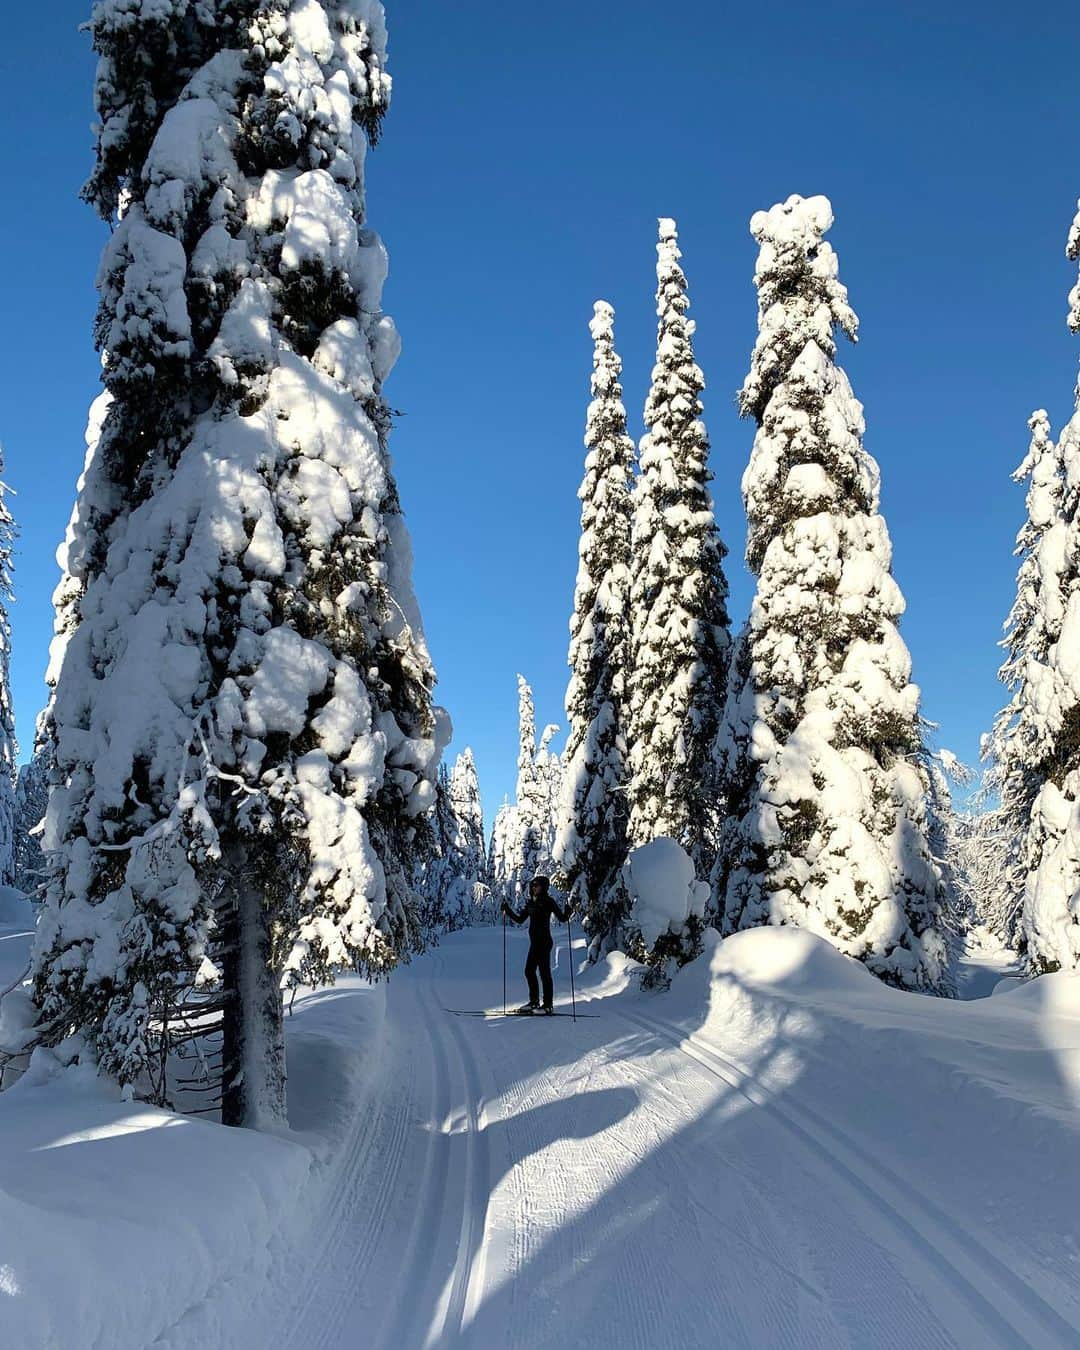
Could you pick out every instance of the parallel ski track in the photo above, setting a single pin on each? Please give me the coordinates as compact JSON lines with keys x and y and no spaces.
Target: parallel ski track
{"x":999,"y":1298}
{"x":467,"y":1285}
{"x":337,"y":1265}
{"x":454,"y":1299}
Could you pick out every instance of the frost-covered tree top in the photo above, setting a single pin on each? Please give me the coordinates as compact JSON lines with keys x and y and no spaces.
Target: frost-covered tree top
{"x":800,"y":298}
{"x":821,"y":754}
{"x":242,"y":668}
{"x":590,"y":840}
{"x":1072,"y":252}
{"x":678,"y":593}
{"x":149,"y":51}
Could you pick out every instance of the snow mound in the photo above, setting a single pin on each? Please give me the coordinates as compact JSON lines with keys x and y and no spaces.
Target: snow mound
{"x":15,"y":909}
{"x":1056,"y":995}
{"x":664,"y":889}
{"x":790,"y":959}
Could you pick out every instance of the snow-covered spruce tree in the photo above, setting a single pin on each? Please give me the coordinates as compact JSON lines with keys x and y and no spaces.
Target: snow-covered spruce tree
{"x":435,"y":875}
{"x":242,"y":728}
{"x":823,"y":766}
{"x":1018,"y":745}
{"x":454,"y":883}
{"x":590,"y":840}
{"x":1047,"y":727}
{"x":31,"y":801}
{"x":470,"y":853}
{"x":523,"y":835}
{"x":539,"y":775}
{"x":504,"y":853}
{"x":679,"y":631}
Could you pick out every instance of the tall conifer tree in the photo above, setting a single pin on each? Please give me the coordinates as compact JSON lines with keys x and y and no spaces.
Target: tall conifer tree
{"x":1018,"y":745}
{"x":242,"y":733}
{"x":823,"y":767}
{"x":680,"y":640}
{"x":1047,"y":704}
{"x":590,"y":840}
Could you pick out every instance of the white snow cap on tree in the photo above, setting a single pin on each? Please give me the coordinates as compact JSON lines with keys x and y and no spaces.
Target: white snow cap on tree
{"x":590,"y":837}
{"x":791,"y":238}
{"x":246,"y":697}
{"x":680,"y":640}
{"x":821,"y":751}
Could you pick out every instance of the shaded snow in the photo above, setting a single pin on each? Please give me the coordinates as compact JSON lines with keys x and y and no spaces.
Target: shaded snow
{"x":778,"y":1151}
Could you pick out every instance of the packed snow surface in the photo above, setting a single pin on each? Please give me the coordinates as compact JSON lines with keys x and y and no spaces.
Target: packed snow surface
{"x":779,"y":1151}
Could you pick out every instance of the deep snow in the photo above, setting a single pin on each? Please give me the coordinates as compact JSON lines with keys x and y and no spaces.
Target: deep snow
{"x":779,"y":1151}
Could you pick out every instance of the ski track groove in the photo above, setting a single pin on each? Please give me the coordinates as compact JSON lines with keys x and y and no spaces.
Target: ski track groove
{"x":984,"y":1301}
{"x":422,"y":1244}
{"x":467,"y":1284}
{"x":336,"y":1263}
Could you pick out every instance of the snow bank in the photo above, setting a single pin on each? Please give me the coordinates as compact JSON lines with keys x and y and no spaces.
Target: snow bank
{"x":659,"y":877}
{"x":122,"y":1224}
{"x":788,"y":959}
{"x":1056,"y":995}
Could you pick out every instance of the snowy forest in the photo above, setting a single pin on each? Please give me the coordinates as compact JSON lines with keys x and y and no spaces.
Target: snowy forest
{"x":261,"y":931}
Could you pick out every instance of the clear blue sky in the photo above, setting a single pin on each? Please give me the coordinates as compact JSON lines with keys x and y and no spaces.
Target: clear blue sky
{"x":527,"y":156}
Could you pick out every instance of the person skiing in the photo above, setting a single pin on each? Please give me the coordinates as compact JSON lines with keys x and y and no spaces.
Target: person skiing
{"x":539,"y":908}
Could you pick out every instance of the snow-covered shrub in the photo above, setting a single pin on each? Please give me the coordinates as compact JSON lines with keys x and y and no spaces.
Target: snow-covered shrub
{"x":590,"y":837}
{"x":821,"y":753}
{"x":242,"y":736}
{"x":666,"y":905}
{"x":680,"y":640}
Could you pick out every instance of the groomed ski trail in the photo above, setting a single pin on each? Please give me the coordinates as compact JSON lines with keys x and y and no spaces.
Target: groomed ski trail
{"x":1011,"y":1312}
{"x":627,"y":1181}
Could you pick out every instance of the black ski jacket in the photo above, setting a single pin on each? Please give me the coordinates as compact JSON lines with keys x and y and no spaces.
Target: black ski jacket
{"x":538,"y":913}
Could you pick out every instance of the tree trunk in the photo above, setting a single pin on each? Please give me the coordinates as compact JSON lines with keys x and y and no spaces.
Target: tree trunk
{"x":253,"y":1049}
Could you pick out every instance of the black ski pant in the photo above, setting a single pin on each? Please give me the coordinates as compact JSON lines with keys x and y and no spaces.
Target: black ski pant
{"x":539,"y":959}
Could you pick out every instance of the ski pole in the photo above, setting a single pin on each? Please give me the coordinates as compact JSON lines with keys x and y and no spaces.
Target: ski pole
{"x":504,"y":964}
{"x":570,"y":943}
